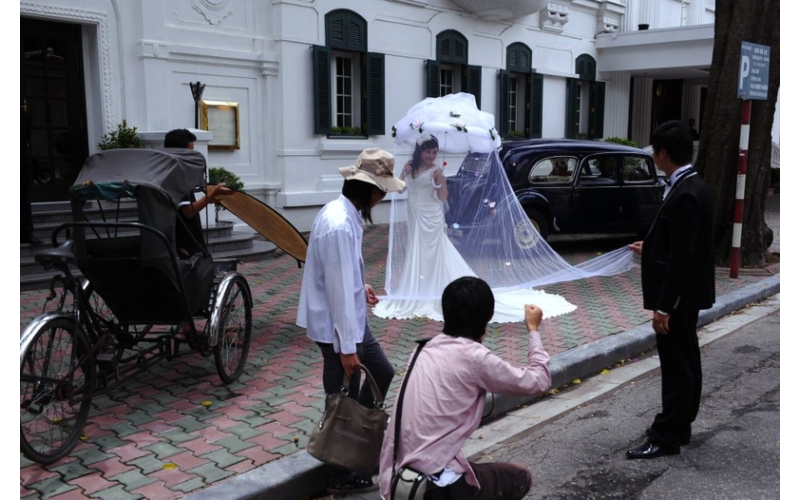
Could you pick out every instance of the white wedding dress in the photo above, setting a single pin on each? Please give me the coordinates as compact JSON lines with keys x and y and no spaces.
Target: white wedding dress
{"x":432,"y":262}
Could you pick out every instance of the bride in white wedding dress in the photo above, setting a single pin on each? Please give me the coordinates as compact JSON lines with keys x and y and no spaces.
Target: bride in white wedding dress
{"x":432,"y":261}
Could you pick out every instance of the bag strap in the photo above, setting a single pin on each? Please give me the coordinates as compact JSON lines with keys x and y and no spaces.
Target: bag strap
{"x":376,"y":392}
{"x":399,"y":413}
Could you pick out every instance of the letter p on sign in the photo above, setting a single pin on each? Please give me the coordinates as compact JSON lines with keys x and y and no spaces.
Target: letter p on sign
{"x":744,"y":70}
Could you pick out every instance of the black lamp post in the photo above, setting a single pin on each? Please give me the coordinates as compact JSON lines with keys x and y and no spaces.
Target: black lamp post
{"x":197,"y":94}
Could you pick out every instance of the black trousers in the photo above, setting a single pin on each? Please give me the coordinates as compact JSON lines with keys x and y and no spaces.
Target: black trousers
{"x":681,"y":380}
{"x":371,"y":355}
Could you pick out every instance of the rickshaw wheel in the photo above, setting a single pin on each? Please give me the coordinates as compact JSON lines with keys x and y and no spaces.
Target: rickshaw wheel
{"x":234,"y":331}
{"x":57,"y":380}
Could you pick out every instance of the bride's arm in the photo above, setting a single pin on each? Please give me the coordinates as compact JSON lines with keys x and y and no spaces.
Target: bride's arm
{"x":440,"y":184}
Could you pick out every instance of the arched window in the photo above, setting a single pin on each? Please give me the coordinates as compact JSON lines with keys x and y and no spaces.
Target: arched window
{"x":450,"y":73}
{"x":348,"y":81}
{"x":520,"y":95}
{"x":585,"y":121}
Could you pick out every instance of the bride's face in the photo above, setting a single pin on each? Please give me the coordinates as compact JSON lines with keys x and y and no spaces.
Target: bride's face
{"x":429,"y":155}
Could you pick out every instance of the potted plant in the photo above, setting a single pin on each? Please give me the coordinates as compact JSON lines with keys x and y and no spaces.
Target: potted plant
{"x":217,"y":175}
{"x":621,"y":140}
{"x":122,"y":137}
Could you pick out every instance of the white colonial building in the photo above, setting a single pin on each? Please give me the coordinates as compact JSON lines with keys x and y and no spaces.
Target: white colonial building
{"x":295,"y":88}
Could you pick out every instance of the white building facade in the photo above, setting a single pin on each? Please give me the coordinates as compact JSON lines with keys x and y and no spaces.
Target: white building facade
{"x":296,"y":88}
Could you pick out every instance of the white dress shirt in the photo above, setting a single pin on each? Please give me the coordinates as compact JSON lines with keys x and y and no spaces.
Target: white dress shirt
{"x":677,"y":174}
{"x":333,"y":301}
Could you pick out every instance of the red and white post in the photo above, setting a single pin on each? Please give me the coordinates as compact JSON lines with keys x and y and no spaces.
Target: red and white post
{"x":738,"y":208}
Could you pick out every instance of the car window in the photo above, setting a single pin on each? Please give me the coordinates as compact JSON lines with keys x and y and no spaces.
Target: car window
{"x":553,"y":169}
{"x":599,"y":170}
{"x":635,"y":169}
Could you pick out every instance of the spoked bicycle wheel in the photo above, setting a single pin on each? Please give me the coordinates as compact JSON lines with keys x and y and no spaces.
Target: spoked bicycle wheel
{"x":56,"y":382}
{"x":234,"y":323}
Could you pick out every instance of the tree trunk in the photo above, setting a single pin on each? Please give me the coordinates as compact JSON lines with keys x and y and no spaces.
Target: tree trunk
{"x":755,"y":21}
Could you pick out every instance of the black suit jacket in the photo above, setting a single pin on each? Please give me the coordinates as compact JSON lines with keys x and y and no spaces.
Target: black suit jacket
{"x":677,"y":253}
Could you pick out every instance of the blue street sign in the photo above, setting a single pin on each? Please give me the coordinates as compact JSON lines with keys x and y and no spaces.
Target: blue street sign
{"x":753,"y":72}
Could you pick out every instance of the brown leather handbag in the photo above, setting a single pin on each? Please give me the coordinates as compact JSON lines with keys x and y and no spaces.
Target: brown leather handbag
{"x":349,"y":435}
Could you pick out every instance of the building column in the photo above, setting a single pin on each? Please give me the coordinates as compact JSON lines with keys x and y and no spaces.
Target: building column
{"x":642,"y":111}
{"x":697,"y":11}
{"x":615,"y":122}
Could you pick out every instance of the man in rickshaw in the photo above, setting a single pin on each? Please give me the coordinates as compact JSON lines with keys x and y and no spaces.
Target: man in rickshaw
{"x":189,"y":233}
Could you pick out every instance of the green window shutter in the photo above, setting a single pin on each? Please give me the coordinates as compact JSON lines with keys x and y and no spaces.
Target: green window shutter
{"x":375,"y":96}
{"x":322,"y":89}
{"x":573,"y":111}
{"x":586,"y":67}
{"x":452,"y":47}
{"x":473,"y":85}
{"x":432,"y":78}
{"x":535,"y":102}
{"x":345,"y":30}
{"x":518,"y":58}
{"x":502,"y":108}
{"x":597,"y":109}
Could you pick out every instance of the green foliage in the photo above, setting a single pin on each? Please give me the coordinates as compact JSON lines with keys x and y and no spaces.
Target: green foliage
{"x":346,"y":131}
{"x":217,"y":175}
{"x":621,"y":140}
{"x":516,"y":134}
{"x":123,"y":137}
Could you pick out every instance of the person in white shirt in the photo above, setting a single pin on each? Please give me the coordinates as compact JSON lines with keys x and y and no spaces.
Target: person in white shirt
{"x":334,"y":297}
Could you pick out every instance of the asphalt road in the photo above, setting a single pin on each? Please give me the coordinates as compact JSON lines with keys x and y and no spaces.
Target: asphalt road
{"x":735,"y":449}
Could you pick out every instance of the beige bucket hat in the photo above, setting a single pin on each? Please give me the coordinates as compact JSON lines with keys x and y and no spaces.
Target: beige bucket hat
{"x":374,"y":166}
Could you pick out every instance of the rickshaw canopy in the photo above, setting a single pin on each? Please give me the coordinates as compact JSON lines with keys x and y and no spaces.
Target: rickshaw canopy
{"x":117,"y":173}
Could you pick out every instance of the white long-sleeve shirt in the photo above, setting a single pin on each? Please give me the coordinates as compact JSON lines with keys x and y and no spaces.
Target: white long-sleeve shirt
{"x":333,"y":305}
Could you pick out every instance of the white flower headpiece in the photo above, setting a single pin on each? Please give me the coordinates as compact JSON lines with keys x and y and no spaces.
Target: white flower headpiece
{"x":422,"y":139}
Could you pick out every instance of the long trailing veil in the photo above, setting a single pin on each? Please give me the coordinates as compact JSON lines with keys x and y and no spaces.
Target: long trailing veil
{"x":484,"y":230}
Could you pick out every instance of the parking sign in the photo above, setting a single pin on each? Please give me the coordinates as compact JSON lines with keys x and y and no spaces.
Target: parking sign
{"x":753,"y":72}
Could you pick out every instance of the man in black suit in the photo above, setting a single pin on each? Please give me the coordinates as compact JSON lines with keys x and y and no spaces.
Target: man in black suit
{"x":677,"y":282}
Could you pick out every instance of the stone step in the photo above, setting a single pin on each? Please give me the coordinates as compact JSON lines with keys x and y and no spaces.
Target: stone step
{"x":226,"y":246}
{"x":216,"y":231}
{"x":55,"y":217}
{"x":259,"y":250}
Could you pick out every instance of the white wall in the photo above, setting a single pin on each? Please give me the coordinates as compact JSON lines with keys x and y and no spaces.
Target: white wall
{"x":141,"y":55}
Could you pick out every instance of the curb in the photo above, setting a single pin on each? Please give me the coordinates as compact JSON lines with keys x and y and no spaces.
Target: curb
{"x":300,"y":474}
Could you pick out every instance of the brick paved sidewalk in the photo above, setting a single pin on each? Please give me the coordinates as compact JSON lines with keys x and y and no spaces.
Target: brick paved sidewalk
{"x":177,"y":429}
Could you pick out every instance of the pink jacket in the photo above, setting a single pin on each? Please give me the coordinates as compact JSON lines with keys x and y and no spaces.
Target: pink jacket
{"x":444,"y":402}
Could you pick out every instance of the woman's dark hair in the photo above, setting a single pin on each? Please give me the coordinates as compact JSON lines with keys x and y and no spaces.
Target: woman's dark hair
{"x":467,"y":307}
{"x":675,"y":137}
{"x":360,"y":193}
{"x":416,"y":158}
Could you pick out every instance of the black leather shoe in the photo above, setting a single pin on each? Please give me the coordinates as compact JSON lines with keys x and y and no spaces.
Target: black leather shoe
{"x":650,"y":450}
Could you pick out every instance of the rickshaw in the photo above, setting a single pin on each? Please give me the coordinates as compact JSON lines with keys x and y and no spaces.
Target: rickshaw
{"x":134,"y":301}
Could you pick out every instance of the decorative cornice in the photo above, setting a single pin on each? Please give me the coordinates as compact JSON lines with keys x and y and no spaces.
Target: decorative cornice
{"x":153,"y":49}
{"x":555,"y":16}
{"x":214,"y":11}
{"x":607,"y":24}
{"x":98,"y":18}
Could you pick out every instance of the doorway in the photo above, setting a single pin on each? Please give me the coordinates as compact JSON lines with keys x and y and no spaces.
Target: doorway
{"x":667,"y":96}
{"x":53,"y":95}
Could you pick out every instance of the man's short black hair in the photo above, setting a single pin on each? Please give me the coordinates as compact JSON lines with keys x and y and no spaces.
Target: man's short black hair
{"x":467,"y":307}
{"x":676,"y":138}
{"x":179,"y":138}
{"x":361,"y":194}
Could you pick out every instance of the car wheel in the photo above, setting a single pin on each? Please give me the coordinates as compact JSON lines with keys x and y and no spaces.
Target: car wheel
{"x":527,"y":235}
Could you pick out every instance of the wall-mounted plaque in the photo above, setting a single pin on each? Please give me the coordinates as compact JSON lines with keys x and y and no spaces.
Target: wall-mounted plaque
{"x":221,"y":118}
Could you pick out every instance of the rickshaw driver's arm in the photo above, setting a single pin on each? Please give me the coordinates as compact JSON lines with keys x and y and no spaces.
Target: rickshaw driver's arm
{"x":189,"y":210}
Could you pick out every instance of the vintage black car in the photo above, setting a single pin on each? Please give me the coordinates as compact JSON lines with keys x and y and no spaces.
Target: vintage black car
{"x":564,"y":186}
